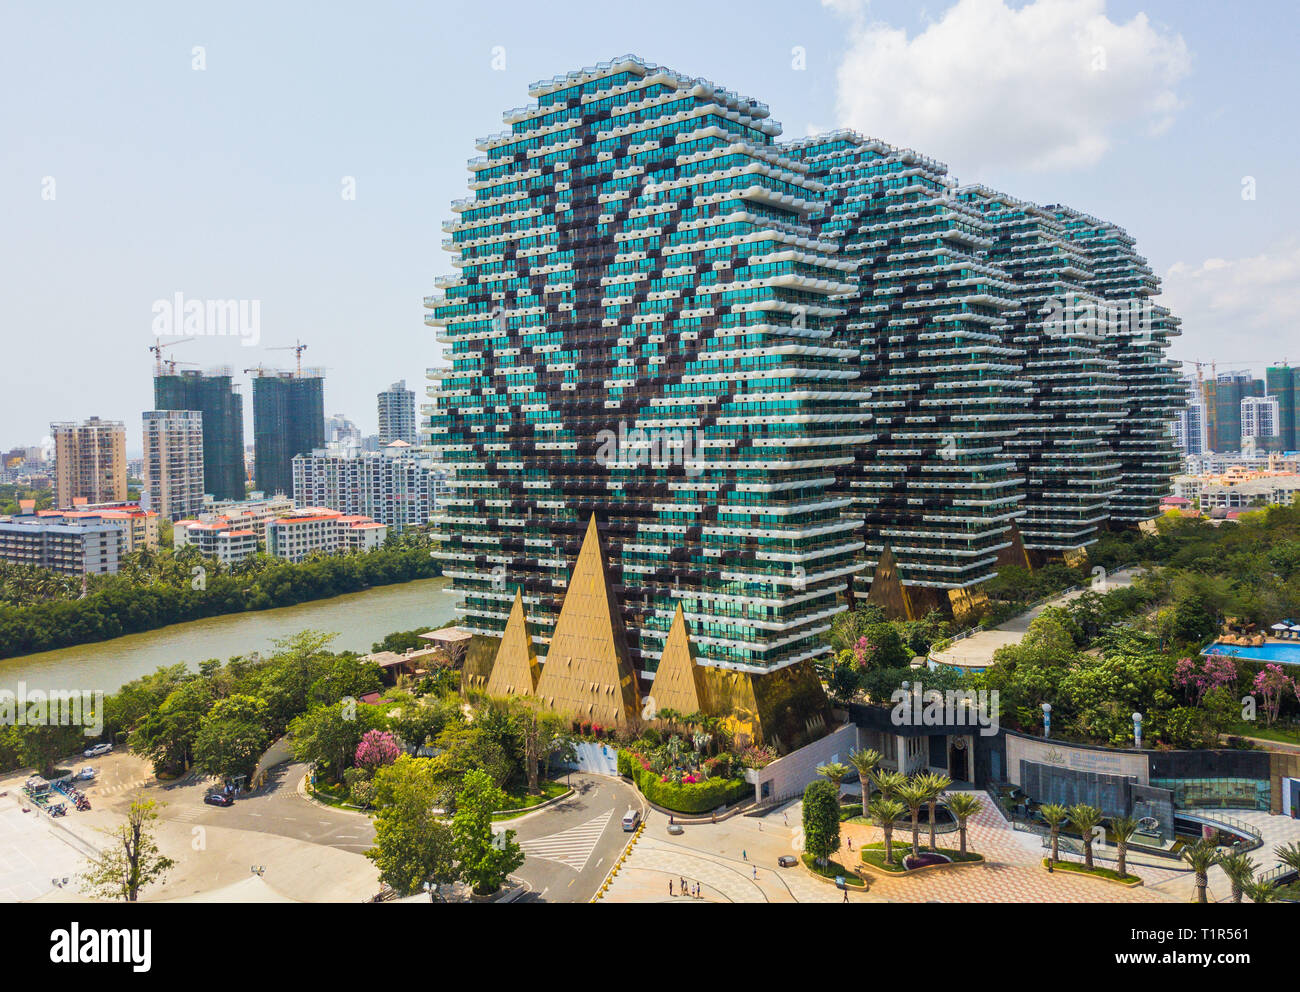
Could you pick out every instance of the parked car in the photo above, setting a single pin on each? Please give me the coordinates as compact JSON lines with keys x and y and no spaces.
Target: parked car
{"x":787,"y":861}
{"x":218,"y":799}
{"x":95,"y":750}
{"x":86,"y":774}
{"x":631,"y":819}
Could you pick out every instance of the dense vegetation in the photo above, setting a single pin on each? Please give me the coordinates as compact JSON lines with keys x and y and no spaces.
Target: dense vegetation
{"x":1114,"y":651}
{"x":157,"y":588}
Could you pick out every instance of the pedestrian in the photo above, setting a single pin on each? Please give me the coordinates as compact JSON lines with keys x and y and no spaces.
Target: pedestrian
{"x":670,"y":886}
{"x":755,"y":873}
{"x":786,"y":814}
{"x":683,"y":881}
{"x":760,"y":826}
{"x":850,"y":843}
{"x":846,"y":894}
{"x":744,"y":855}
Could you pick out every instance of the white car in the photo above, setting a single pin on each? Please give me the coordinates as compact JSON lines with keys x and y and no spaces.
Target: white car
{"x":631,"y":818}
{"x":95,"y":750}
{"x":86,"y":774}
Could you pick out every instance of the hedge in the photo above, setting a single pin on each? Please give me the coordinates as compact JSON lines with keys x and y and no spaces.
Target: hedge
{"x":699,"y":797}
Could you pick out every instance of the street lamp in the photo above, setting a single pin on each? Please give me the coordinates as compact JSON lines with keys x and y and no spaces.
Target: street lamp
{"x":1137,"y":731}
{"x":1047,"y":719}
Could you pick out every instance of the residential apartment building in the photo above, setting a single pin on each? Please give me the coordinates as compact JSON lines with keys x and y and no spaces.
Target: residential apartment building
{"x":288,"y":419}
{"x":318,"y":529}
{"x":252,"y":514}
{"x":216,"y":537}
{"x":397,"y":414}
{"x":1259,"y":423}
{"x":173,"y":462}
{"x":89,"y":461}
{"x":395,"y":486}
{"x":70,"y":545}
{"x":214,"y":394}
{"x":779,"y":374}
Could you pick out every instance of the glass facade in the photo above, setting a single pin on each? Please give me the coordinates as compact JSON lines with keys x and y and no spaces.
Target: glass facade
{"x":760,"y":364}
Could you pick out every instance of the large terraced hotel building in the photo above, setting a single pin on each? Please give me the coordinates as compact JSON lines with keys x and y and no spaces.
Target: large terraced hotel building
{"x":779,"y":374}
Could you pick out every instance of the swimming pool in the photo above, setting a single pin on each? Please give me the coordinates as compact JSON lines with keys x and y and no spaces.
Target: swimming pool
{"x":1286,"y":654}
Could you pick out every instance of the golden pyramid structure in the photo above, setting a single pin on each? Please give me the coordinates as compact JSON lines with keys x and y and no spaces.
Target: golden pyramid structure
{"x":588,"y":675}
{"x":679,"y":683}
{"x":515,"y":670}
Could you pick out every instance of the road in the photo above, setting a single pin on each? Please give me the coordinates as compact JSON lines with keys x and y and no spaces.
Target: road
{"x":572,"y":845}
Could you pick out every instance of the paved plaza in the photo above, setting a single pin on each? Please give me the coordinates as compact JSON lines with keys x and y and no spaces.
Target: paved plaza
{"x":723,"y":857}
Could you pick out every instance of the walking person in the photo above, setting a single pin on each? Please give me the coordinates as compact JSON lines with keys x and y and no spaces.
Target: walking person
{"x":670,"y":886}
{"x":846,"y":894}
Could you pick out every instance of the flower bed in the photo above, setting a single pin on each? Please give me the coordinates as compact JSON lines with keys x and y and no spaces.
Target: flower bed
{"x":699,"y":796}
{"x":873,"y":856}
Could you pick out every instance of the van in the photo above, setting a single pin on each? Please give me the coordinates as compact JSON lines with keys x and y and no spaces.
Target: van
{"x":631,"y":819}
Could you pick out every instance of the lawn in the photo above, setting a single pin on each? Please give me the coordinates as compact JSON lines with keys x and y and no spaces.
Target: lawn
{"x":832,"y":870}
{"x":1279,"y":732}
{"x":519,"y":802}
{"x":874,"y":855}
{"x":1081,"y":869}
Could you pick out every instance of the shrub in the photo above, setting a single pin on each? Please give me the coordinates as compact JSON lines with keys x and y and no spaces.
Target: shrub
{"x":688,"y":797}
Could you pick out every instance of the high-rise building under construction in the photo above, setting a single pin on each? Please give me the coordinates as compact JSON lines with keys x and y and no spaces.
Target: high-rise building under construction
{"x":288,"y":420}
{"x":212,"y":393}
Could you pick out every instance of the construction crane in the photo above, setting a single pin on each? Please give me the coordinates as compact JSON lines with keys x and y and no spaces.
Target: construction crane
{"x":297,"y":348}
{"x":171,"y":364}
{"x":157,"y":350}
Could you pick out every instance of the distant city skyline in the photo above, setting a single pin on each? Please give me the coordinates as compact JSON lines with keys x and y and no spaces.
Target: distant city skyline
{"x":307,"y":163}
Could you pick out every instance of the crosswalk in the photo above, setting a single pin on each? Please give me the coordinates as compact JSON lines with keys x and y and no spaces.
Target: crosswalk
{"x":570,"y":847}
{"x":188,"y":814}
{"x":124,"y":787}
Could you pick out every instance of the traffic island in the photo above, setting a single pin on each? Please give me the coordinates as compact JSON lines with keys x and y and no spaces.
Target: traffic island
{"x":831,"y":871}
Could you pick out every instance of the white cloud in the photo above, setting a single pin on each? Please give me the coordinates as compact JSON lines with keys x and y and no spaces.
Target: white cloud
{"x":1045,"y":86}
{"x":1243,"y":309}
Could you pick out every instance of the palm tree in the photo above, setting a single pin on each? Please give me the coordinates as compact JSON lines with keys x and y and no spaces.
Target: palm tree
{"x":865,"y":761}
{"x":1240,"y":869}
{"x":1262,"y":891}
{"x":884,"y":813}
{"x":1202,"y":856}
{"x":836,"y":772}
{"x":914,"y":796}
{"x":889,"y":782}
{"x":933,"y":783}
{"x":1122,"y":828}
{"x":1288,"y":854}
{"x":964,"y":805}
{"x":1055,"y":815}
{"x":1084,"y":818}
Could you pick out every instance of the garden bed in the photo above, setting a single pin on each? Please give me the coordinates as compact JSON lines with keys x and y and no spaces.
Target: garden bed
{"x":873,"y":857}
{"x":831,"y":871}
{"x":1104,"y":874}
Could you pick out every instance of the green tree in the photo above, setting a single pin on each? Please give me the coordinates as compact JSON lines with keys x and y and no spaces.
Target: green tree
{"x":1055,"y":815}
{"x":914,"y":795}
{"x":964,"y":805}
{"x":834,"y":772}
{"x":865,"y":761}
{"x":1240,"y":868}
{"x":1085,"y":819}
{"x":885,"y":813}
{"x":1201,"y":856}
{"x":231,"y":737}
{"x":934,"y":785}
{"x":889,"y":782}
{"x":412,"y":846}
{"x":328,"y":735}
{"x":131,"y":862}
{"x":485,"y":860}
{"x":821,"y":820}
{"x":1122,"y":828}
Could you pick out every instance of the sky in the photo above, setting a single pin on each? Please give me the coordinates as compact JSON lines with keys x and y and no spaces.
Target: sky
{"x":302,"y":157}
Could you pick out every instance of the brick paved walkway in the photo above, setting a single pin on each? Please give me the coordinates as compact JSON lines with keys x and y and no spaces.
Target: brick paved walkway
{"x":724,"y":864}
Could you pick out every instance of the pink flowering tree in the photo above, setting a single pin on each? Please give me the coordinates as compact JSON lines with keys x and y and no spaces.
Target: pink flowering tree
{"x":863,"y":651}
{"x":377,"y":748}
{"x":1198,"y":678}
{"x":1272,"y":686}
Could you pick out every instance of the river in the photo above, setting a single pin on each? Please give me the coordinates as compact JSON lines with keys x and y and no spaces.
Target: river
{"x":359,"y":618}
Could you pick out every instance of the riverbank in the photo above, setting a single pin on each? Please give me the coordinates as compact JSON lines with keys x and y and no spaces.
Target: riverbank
{"x":360,"y":619}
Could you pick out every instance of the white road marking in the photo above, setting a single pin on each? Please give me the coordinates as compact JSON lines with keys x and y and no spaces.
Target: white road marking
{"x":572,"y":847}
